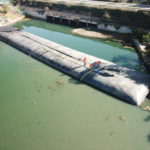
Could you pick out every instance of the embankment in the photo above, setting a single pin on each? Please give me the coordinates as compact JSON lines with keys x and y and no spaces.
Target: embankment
{"x":104,"y":16}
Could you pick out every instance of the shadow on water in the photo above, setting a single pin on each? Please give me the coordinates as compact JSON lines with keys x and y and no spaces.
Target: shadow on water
{"x":148,"y":96}
{"x":125,"y":61}
{"x":74,"y":81}
{"x":62,"y":74}
{"x":148,"y":119}
{"x":148,"y":137}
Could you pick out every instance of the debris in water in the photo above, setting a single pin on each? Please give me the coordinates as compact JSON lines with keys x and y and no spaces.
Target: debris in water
{"x":33,"y":102}
{"x":111,"y":133}
{"x":38,"y":90}
{"x":146,"y":108}
{"x":122,"y":118}
{"x":59,"y":83}
{"x":50,"y":87}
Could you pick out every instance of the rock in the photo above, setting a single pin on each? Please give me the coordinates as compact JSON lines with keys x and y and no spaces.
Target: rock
{"x":146,"y":108}
{"x":122,"y":118}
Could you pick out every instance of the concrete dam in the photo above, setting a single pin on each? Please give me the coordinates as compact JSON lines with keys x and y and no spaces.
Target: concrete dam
{"x":126,"y":84}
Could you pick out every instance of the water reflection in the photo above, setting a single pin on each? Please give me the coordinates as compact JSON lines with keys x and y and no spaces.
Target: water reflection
{"x":149,"y":137}
{"x":147,"y":118}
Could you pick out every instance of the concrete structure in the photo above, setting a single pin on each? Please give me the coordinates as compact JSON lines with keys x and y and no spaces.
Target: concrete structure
{"x":113,"y":28}
{"x":36,"y":14}
{"x":126,"y":84}
{"x":143,"y":53}
{"x":75,"y":20}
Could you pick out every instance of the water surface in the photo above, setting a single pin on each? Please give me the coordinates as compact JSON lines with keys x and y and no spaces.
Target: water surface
{"x":41,"y":109}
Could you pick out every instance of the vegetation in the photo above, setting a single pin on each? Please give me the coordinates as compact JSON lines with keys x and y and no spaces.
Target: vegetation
{"x":129,"y":1}
{"x":143,"y":37}
{"x":4,"y":9}
{"x":146,"y":38}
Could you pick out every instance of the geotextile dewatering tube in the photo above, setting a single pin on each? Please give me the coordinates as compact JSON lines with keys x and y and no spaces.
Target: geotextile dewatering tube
{"x":126,"y":84}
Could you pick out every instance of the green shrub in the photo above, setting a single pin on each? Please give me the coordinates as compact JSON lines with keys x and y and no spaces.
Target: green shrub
{"x":138,"y":33}
{"x":5,"y":8}
{"x":146,"y":38}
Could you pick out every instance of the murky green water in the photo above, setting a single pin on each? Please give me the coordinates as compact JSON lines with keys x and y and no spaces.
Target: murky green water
{"x":42,"y":109}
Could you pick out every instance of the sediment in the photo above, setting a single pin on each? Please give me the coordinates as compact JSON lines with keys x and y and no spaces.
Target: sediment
{"x":92,"y":34}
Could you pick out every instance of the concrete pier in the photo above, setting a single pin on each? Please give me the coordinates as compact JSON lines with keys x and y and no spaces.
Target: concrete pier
{"x":126,"y":84}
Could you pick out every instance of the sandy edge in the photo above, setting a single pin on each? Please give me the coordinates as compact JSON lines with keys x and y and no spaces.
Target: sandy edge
{"x":92,"y":34}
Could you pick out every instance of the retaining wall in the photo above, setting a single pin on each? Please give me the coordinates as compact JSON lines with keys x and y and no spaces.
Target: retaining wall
{"x":80,"y":22}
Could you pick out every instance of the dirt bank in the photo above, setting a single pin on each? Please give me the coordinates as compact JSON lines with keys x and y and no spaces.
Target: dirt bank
{"x":9,"y":14}
{"x":93,"y":34}
{"x":12,"y":21}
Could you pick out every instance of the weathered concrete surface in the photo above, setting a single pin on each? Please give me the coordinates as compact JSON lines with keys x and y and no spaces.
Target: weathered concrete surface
{"x":145,"y":55}
{"x":107,"y":26}
{"x":128,"y":85}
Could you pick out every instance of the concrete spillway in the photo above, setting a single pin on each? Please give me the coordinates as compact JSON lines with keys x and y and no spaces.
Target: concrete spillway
{"x":126,"y":84}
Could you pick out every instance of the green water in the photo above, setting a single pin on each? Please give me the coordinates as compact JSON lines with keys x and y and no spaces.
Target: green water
{"x":61,"y":34}
{"x":43,"y":109}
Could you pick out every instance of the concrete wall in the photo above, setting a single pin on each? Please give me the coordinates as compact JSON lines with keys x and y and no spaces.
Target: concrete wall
{"x":36,"y":14}
{"x":113,"y":28}
{"x":102,"y":26}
